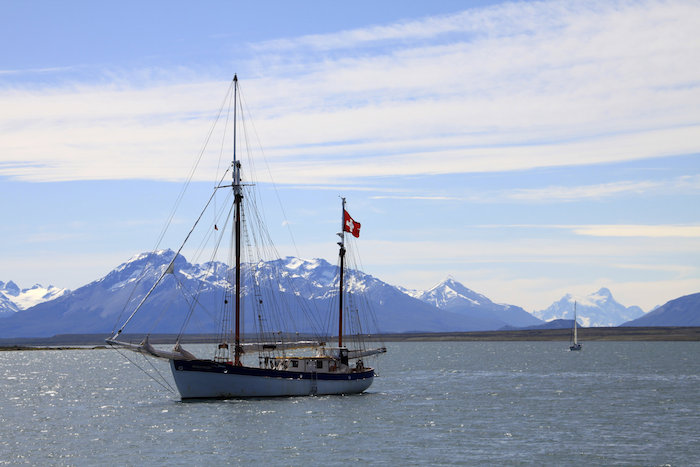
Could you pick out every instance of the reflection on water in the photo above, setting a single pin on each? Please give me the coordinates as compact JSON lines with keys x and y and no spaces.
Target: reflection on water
{"x":434,"y":403}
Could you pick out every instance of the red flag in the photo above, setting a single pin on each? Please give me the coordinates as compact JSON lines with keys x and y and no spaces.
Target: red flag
{"x":349,"y":225}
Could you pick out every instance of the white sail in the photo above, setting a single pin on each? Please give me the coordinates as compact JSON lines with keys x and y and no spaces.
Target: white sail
{"x":575,"y":345}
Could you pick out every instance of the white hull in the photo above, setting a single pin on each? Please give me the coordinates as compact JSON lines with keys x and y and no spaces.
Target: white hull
{"x":226,"y":381}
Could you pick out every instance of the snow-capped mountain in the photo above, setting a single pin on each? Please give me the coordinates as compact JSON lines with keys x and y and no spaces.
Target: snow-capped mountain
{"x":303,"y":287}
{"x":304,"y":284}
{"x":97,"y":306}
{"x":13,"y":299}
{"x":682,"y":311}
{"x":7,"y":306}
{"x":452,"y":296}
{"x":598,"y":309}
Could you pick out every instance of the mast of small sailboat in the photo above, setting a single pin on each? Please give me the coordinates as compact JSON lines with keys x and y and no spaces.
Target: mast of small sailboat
{"x":575,"y":334}
{"x":341,"y":243}
{"x":238,"y":197}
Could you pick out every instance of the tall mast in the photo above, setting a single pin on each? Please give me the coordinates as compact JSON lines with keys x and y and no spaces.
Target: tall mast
{"x":238,"y":197}
{"x":342,"y":272}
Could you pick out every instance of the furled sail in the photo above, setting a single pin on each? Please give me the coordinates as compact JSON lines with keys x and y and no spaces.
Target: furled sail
{"x":145,"y":347}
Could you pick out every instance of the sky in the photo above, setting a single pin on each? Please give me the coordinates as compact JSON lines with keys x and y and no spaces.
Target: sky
{"x":525,"y":149}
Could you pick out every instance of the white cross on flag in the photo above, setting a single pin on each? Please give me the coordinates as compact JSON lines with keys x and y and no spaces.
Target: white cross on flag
{"x":349,"y":225}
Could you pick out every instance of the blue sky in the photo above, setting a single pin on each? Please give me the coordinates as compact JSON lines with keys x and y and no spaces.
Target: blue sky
{"x":527,"y":149}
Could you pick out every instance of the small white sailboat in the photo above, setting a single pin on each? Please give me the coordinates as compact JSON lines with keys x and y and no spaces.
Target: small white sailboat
{"x":317,"y":368}
{"x":575,"y":345}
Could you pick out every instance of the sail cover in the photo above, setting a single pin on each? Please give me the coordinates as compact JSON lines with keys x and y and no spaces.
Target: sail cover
{"x":145,"y":347}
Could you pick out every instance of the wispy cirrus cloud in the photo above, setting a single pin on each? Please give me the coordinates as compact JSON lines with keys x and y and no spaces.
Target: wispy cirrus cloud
{"x":653,"y":231}
{"x":416,"y":197}
{"x":564,"y":193}
{"x":500,"y":20}
{"x":35,"y":71}
{"x":615,"y":230}
{"x":683,"y":184}
{"x":504,"y":88}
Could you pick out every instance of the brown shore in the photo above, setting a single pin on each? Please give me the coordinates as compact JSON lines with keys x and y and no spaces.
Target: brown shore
{"x":96,"y":341}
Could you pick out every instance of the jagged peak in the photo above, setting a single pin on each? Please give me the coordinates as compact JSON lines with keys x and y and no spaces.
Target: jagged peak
{"x":593,"y":299}
{"x":167,"y":252}
{"x":448,"y":283}
{"x":604,"y":292}
{"x":595,"y":309}
{"x":293,"y":262}
{"x":11,"y":288}
{"x":451,"y":284}
{"x":449,"y":292}
{"x":148,"y":256}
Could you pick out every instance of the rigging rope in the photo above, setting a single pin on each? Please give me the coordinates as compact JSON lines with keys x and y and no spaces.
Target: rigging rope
{"x":274,"y":303}
{"x":178,"y":200}
{"x":164,"y":383}
{"x":269,"y":171}
{"x":169,"y":265}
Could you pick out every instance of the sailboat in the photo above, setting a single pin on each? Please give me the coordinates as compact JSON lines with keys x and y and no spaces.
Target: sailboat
{"x":269,"y":360}
{"x":575,"y":345}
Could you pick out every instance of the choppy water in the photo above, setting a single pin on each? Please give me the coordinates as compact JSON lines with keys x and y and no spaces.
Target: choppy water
{"x":468,"y":403}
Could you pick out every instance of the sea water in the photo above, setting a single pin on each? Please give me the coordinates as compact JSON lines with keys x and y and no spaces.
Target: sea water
{"x":434,"y":403}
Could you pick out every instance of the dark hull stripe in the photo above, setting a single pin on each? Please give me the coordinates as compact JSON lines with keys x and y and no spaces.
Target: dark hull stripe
{"x":225,"y":368}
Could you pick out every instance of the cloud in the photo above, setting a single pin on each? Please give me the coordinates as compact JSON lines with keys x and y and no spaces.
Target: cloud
{"x":564,"y":193}
{"x":686,"y":183}
{"x":416,"y":197}
{"x":617,"y":230}
{"x":532,"y":250}
{"x":683,"y":185}
{"x":25,"y":71}
{"x":504,"y":88}
{"x":652,"y":231}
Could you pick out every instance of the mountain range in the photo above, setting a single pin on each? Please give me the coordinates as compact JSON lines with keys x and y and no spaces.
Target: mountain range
{"x":14,"y":299}
{"x":447,"y":307}
{"x":598,"y":309}
{"x":683,"y":311}
{"x":98,"y":306}
{"x":454,"y":297}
